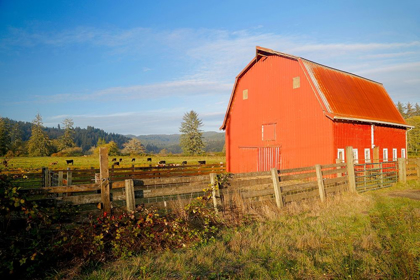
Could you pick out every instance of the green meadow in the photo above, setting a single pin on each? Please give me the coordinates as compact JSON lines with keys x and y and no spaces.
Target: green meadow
{"x":82,"y":162}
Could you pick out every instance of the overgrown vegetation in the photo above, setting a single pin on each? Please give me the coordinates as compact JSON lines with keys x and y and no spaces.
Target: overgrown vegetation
{"x":33,"y":237}
{"x":369,"y":236}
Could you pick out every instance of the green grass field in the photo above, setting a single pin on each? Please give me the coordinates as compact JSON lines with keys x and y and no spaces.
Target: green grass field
{"x":83,"y":162}
{"x":374,"y":235}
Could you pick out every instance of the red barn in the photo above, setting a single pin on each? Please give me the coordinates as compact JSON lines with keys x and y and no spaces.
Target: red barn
{"x":287,"y":112}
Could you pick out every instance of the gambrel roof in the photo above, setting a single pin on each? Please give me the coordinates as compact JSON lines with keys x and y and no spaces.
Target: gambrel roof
{"x":342,"y":95}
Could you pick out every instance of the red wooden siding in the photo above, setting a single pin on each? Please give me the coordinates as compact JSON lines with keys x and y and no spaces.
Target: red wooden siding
{"x":299,"y":123}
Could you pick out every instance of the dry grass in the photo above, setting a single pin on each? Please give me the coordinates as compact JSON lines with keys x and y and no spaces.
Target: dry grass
{"x":349,"y":236}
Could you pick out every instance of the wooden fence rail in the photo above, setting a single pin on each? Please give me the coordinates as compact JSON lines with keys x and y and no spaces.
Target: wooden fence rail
{"x":129,"y":187}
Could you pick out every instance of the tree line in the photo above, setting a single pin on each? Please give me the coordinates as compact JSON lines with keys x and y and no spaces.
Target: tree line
{"x":411,"y":114}
{"x":33,"y":139}
{"x":19,"y":138}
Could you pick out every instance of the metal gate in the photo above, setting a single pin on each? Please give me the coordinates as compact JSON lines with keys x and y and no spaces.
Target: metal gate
{"x":268,"y":157}
{"x":372,"y":176}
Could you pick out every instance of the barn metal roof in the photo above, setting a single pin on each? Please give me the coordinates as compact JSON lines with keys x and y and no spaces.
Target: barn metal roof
{"x":342,"y":95}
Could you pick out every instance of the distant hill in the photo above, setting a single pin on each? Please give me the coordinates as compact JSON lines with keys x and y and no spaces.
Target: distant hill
{"x":155,"y":143}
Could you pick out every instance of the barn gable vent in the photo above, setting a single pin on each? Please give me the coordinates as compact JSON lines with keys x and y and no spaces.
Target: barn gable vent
{"x":245,"y":94}
{"x":296,"y":82}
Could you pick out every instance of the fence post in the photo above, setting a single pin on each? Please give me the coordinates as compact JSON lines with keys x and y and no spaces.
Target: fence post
{"x":44,"y":177}
{"x":350,"y":168}
{"x":129,"y":195}
{"x":60,"y":178}
{"x":402,"y":173}
{"x":277,"y":189}
{"x":105,"y":182}
{"x":337,"y":160}
{"x":69,"y":177}
{"x":376,"y":154}
{"x":382,"y":174}
{"x":213,"y":190}
{"x":320,"y":182}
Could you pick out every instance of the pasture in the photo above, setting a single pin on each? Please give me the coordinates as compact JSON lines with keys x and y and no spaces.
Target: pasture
{"x":85,"y":162}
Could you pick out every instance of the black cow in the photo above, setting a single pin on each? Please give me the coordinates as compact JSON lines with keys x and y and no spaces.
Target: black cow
{"x":149,"y":159}
{"x":201,"y":162}
{"x":116,"y":163}
{"x":68,"y":161}
{"x":120,"y":159}
{"x":162,"y":162}
{"x":133,"y":160}
{"x":5,"y":162}
{"x":114,"y":159}
{"x":184,"y":162}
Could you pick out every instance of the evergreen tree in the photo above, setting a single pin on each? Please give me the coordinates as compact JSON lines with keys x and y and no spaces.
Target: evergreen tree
{"x":133,"y":147}
{"x":410,"y":111}
{"x":39,"y":143}
{"x":414,"y":136}
{"x":417,"y":110}
{"x":401,"y":109}
{"x":16,"y":143}
{"x":4,"y":137}
{"x":191,"y":139}
{"x":66,"y":141}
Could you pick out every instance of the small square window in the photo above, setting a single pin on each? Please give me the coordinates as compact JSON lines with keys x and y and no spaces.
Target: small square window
{"x":296,"y":82}
{"x":245,"y":94}
{"x":268,"y":132}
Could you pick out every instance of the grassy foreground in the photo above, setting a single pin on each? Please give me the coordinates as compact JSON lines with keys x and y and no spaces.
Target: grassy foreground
{"x":370,"y":236}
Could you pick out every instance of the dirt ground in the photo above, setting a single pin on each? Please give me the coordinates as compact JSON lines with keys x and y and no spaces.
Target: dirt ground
{"x":413,"y":194}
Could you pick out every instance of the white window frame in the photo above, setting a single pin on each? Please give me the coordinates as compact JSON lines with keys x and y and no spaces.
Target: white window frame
{"x":367,"y":155}
{"x":394,"y":154}
{"x":343,"y":153}
{"x":356,"y":155}
{"x":403,"y":153}
{"x":385,"y":154}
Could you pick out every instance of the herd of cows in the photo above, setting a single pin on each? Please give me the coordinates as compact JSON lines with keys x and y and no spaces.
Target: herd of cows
{"x":161,"y":163}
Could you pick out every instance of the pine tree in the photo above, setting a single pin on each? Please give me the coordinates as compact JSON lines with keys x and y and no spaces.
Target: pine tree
{"x":66,"y":141}
{"x":410,"y":111}
{"x":39,"y":143}
{"x":191,"y":140}
{"x":4,"y":138}
{"x":401,"y":109}
{"x":417,"y":109}
{"x":16,"y":143}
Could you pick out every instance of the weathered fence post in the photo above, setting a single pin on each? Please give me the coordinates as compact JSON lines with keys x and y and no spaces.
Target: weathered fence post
{"x":60,"y":178}
{"x":213,"y":183}
{"x":382,"y":174}
{"x":105,"y":182}
{"x":320,"y":182}
{"x":277,"y":189}
{"x":44,"y":177}
{"x":69,"y":177}
{"x":376,"y":154}
{"x":129,"y":195}
{"x":350,"y":168}
{"x":338,"y":161}
{"x":402,"y":172}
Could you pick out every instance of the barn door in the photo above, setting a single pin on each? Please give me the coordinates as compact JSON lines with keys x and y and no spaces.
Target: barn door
{"x":268,"y":157}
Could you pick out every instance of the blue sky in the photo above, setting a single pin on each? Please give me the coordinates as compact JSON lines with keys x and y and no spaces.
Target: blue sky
{"x":135,"y":67}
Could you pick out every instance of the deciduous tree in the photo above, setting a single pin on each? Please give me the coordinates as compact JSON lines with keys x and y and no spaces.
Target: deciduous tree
{"x":413,"y":136}
{"x":133,"y":147}
{"x":4,"y":138}
{"x":191,"y":139}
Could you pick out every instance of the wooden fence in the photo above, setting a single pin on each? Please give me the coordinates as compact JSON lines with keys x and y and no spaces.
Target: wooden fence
{"x":129,"y":187}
